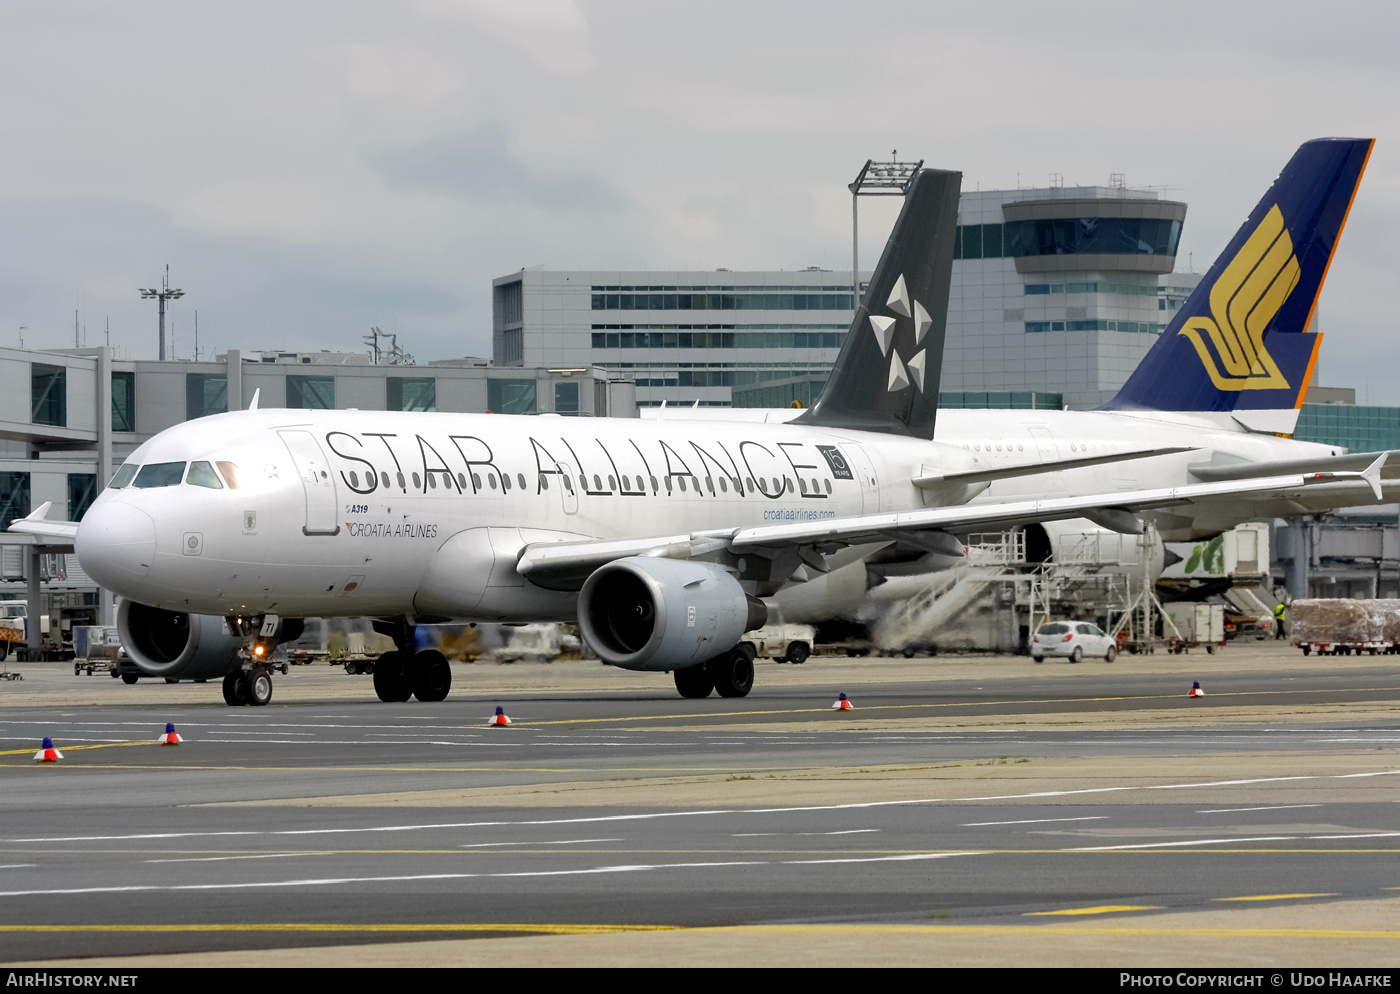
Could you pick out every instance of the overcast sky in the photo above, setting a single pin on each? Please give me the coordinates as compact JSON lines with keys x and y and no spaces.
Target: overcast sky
{"x":310,"y":169}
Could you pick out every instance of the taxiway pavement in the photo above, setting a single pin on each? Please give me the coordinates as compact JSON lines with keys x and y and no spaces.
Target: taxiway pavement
{"x":970,"y":809}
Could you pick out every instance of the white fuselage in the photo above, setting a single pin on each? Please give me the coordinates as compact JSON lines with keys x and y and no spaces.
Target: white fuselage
{"x":343,"y":513}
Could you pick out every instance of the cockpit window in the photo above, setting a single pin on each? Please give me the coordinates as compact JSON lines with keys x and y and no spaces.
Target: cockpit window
{"x":159,"y":474}
{"x":230,"y":471}
{"x":203,"y":475}
{"x":124,"y":475}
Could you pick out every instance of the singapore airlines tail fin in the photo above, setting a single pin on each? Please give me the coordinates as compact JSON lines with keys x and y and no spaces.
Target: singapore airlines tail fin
{"x":1242,"y":341}
{"x":886,"y":377}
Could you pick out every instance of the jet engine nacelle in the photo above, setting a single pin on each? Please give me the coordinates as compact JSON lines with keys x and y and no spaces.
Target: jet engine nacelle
{"x":1079,"y":542}
{"x":643,"y":613}
{"x":177,"y":645}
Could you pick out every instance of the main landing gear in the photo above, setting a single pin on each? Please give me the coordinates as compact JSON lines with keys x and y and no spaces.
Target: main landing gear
{"x":405,"y":673}
{"x":731,"y":673}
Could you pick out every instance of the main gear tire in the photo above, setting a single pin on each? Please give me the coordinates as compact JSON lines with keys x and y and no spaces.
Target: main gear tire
{"x":732,"y":673}
{"x":694,"y":681}
{"x":391,"y":680}
{"x":431,"y":676}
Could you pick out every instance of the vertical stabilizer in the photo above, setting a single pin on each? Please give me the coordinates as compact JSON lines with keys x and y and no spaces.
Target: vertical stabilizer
{"x":1241,"y":342}
{"x":886,"y":377}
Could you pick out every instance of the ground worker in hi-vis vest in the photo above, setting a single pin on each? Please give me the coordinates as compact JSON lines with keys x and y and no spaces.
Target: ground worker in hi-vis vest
{"x":1280,"y":616}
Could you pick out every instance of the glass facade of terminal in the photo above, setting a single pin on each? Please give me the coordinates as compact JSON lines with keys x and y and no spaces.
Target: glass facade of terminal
{"x":1070,"y":236}
{"x":1360,"y":429}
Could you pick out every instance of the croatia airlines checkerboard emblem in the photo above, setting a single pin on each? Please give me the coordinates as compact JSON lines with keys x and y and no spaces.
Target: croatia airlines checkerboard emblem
{"x":902,"y":373}
{"x":1243,"y":301}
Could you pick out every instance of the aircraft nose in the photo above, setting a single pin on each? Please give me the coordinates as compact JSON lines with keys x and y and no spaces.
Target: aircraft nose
{"x":116,"y":544}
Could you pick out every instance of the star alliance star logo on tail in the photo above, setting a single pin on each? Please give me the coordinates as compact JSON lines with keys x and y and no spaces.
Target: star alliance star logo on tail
{"x":902,"y":373}
{"x":1242,"y":303}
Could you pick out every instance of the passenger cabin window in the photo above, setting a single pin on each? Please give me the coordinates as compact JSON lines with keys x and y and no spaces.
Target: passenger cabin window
{"x":124,"y":475}
{"x":202,"y":474}
{"x":159,"y":474}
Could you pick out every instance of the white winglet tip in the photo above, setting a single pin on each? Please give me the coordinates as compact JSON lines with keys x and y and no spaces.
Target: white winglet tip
{"x":1372,"y":475}
{"x":39,"y":513}
{"x":253,"y":404}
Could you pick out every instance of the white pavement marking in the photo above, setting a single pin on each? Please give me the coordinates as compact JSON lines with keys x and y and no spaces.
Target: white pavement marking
{"x":1271,"y":807}
{"x":1186,"y":842}
{"x":652,"y":815}
{"x":1031,"y":821}
{"x":880,"y":859}
{"x":333,"y":881}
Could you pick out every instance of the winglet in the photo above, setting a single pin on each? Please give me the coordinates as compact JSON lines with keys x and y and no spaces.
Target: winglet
{"x":1371,"y":474}
{"x":253,"y":405}
{"x":39,"y":513}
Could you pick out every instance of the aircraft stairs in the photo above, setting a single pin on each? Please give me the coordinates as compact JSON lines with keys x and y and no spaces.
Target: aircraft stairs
{"x":1092,"y":575}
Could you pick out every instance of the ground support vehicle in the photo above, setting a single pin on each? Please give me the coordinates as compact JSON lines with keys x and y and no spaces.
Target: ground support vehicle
{"x":1197,"y":626}
{"x":1345,"y":627}
{"x":785,"y":643}
{"x":537,"y":643}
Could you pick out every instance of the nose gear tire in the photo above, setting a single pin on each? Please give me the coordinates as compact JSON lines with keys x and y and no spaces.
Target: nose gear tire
{"x":259,"y":688}
{"x":234,"y":695}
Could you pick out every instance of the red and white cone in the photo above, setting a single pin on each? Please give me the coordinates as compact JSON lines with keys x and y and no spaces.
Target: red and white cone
{"x":499,"y":719}
{"x":170,"y":738}
{"x":1196,"y":690}
{"x":841,"y":704}
{"x":47,"y":753}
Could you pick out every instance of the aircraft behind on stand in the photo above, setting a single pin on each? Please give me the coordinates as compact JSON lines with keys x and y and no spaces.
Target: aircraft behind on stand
{"x":662,"y":537}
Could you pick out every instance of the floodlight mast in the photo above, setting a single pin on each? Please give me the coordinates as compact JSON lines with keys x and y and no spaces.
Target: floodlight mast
{"x":162,"y":295}
{"x":876,"y":179}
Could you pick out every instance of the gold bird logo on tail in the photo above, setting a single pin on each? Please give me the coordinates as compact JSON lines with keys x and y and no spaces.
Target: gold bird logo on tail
{"x":1243,"y":301}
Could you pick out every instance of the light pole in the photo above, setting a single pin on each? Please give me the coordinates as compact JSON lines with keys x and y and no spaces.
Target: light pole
{"x":162,"y":295}
{"x":876,"y":179}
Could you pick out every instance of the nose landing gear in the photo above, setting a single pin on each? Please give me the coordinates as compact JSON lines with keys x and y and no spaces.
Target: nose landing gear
{"x":251,"y":683}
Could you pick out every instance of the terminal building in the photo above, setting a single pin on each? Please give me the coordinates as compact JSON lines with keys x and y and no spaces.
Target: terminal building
{"x":69,"y":417}
{"x":1056,"y":295}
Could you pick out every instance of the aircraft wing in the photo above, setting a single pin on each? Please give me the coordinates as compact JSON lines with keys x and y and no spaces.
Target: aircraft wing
{"x":34,"y":524}
{"x":559,"y":565}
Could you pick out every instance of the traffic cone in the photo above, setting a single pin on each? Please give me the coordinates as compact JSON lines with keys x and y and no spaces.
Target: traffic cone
{"x":47,"y":753}
{"x":170,"y":738}
{"x":499,"y":719}
{"x":1196,"y":690}
{"x":841,"y":704}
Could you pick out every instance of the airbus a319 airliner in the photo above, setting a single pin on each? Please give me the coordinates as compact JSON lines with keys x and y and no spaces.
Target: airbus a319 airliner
{"x":661,"y":538}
